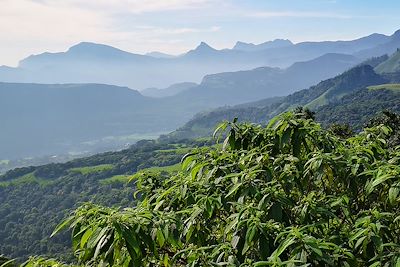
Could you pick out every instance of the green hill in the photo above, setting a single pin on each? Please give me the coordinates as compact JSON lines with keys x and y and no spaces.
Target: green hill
{"x":389,"y":86}
{"x":358,"y":107}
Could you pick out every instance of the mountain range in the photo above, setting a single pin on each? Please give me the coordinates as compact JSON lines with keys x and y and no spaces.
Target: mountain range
{"x":97,"y":63}
{"x":45,"y":119}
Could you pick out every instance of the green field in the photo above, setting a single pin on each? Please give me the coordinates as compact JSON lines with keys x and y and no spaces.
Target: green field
{"x":26,"y":179}
{"x":125,"y":178}
{"x":4,"y":162}
{"x":182,"y":150}
{"x":169,"y":169}
{"x":119,"y":179}
{"x":92,"y":169}
{"x":390,"y":86}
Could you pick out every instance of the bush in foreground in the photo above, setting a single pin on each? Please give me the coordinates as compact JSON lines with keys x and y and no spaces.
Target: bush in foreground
{"x":289,"y":194}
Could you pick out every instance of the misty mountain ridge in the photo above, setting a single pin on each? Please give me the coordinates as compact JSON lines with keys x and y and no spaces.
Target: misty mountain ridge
{"x":159,"y":55}
{"x":266,"y":45}
{"x":96,"y":63}
{"x":390,"y":46}
{"x":169,"y":91}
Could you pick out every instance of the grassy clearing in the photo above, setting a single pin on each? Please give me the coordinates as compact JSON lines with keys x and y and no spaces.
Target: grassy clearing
{"x":182,"y":150}
{"x":125,"y":178}
{"x":92,"y":169}
{"x":26,"y":179}
{"x":390,"y":86}
{"x":116,"y":179}
{"x":4,"y":162}
{"x":169,"y":169}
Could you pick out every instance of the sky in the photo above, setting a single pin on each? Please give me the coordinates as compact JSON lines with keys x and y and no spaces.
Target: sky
{"x":176,"y":26}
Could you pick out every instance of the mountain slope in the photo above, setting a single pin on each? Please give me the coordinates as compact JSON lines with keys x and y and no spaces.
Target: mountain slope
{"x":42,"y":119}
{"x":246,"y":86}
{"x":392,"y":65}
{"x":327,"y":92}
{"x":358,"y":107}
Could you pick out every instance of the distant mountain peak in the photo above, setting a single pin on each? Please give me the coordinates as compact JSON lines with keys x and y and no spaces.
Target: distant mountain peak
{"x":239,"y":43}
{"x":89,"y":46}
{"x":201,"y":50}
{"x":396,"y":35}
{"x":203,"y":46}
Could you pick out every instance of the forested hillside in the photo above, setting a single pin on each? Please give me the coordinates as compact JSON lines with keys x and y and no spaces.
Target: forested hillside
{"x":357,"y":108}
{"x":34,"y":199}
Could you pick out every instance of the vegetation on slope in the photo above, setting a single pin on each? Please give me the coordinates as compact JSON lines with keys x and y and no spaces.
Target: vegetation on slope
{"x":289,"y":194}
{"x":359,"y":107}
{"x":391,"y":65}
{"x":388,"y":86}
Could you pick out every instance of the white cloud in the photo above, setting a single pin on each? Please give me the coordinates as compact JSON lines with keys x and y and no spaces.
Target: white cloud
{"x":34,"y":26}
{"x":25,"y":26}
{"x":132,"y":6}
{"x":295,"y":14}
{"x":174,"y":31}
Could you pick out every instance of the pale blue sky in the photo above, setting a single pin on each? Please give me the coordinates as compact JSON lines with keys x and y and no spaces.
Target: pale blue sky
{"x":174,"y":26}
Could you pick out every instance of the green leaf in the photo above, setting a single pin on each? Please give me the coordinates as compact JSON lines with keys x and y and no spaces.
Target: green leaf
{"x":160,"y":238}
{"x":85,"y":237}
{"x":62,"y":225}
{"x":8,"y":263}
{"x":393,"y":193}
{"x":283,"y":246}
{"x":233,"y":189}
{"x":377,"y":181}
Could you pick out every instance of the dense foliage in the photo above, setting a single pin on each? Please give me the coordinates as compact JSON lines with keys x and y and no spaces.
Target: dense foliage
{"x":289,"y":194}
